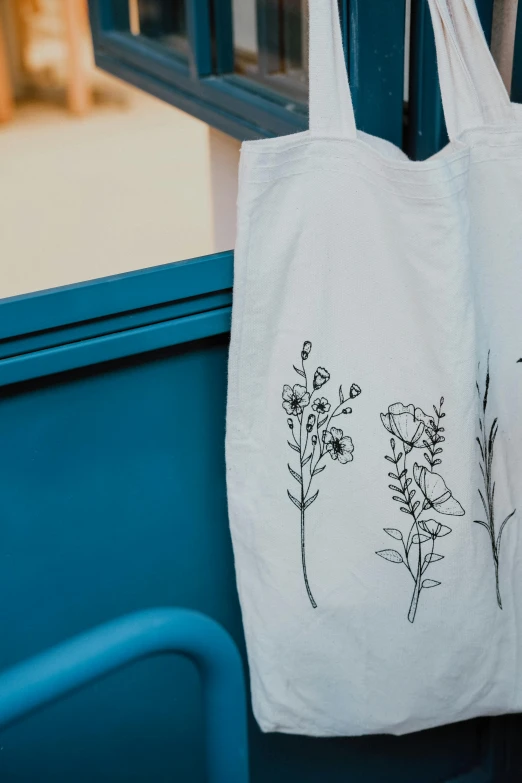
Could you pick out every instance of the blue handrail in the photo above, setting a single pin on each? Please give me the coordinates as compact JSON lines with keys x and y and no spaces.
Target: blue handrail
{"x":96,"y":653}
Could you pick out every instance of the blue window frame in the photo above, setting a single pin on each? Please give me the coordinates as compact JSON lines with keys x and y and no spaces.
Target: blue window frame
{"x":213,"y":79}
{"x":253,"y":84}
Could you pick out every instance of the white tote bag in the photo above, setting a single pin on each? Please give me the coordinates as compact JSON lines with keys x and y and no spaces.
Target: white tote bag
{"x":374,"y":434}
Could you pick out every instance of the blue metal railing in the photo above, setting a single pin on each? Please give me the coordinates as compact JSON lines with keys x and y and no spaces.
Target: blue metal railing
{"x":96,"y":653}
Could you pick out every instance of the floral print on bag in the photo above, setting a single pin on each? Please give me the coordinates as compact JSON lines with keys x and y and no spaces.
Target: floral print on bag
{"x":314,"y":439}
{"x":486,"y":438}
{"x":419,"y":495}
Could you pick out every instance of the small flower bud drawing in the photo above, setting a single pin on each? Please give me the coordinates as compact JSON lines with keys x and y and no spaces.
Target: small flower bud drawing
{"x":310,"y":423}
{"x":355,"y":390}
{"x":314,"y":440}
{"x":347,"y":410}
{"x":321,"y":377}
{"x":290,"y":423}
{"x":305,"y":353}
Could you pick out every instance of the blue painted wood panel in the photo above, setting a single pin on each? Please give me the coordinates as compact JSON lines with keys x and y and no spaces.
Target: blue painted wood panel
{"x":376,"y":66}
{"x":113,"y":499}
{"x":516,"y":88}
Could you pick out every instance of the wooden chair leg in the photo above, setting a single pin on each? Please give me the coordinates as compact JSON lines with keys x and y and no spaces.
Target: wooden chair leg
{"x":78,"y":88}
{"x":6,"y":93}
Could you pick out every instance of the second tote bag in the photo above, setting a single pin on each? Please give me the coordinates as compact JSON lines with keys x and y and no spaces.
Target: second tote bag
{"x":374,"y":433}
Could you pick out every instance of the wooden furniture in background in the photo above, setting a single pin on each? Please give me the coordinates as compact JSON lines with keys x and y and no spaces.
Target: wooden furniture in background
{"x":71,"y":19}
{"x":6,"y":92}
{"x":78,"y":87}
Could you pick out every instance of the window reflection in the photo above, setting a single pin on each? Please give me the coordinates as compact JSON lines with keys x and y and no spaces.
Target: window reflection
{"x":271,"y":44}
{"x":163,"y":21}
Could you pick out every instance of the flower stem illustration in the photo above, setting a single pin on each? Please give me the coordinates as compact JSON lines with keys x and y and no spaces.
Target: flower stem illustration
{"x":412,"y":429}
{"x":313,"y":438}
{"x":486,"y":443}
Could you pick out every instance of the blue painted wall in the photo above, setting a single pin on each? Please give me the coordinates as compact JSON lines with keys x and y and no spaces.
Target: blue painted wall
{"x":112,"y":499}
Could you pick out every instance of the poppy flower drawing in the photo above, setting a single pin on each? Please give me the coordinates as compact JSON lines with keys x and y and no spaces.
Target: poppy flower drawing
{"x":433,"y":528}
{"x":436,"y":494}
{"x":312,"y":439}
{"x":407,"y":423}
{"x":425,"y":490}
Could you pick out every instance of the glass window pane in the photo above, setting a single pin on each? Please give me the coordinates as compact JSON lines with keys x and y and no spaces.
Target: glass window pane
{"x":163,"y":21}
{"x":271,"y":44}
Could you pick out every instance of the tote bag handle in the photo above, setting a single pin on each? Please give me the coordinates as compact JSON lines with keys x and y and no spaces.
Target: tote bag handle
{"x":473,"y":93}
{"x":330,"y":101}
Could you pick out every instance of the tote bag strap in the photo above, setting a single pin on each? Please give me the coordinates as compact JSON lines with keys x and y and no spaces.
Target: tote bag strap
{"x":330,"y":102}
{"x":473,"y":93}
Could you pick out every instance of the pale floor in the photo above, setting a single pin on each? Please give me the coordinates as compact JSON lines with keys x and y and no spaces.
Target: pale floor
{"x":124,"y":188}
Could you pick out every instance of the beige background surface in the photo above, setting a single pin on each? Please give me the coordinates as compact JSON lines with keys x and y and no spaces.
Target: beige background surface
{"x":128,"y":186}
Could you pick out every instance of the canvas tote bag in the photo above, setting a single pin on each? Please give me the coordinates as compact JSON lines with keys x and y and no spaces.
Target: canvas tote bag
{"x":374,"y":432}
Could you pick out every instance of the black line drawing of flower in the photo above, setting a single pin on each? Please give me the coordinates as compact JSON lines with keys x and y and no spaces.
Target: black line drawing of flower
{"x":436,"y":494}
{"x":321,"y":405}
{"x":486,"y":443}
{"x":338,"y":446}
{"x":412,"y":428}
{"x":294,"y":400}
{"x":321,"y":377}
{"x":434,"y":528}
{"x":313,"y":439}
{"x":407,"y":423}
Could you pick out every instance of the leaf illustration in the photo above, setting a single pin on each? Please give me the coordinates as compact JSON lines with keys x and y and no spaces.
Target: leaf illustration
{"x":311,"y":500}
{"x":485,"y":401}
{"x":391,"y":555}
{"x":321,"y":422}
{"x":341,"y":398}
{"x":493,"y":435}
{"x":294,"y":500}
{"x":398,"y":499}
{"x":318,"y":470}
{"x":295,"y":475}
{"x":432,"y":557}
{"x":393,"y":476}
{"x":484,"y":504}
{"x":303,"y":463}
{"x":420,"y":538}
{"x":480,"y":522}
{"x":502,"y":526}
{"x":300,"y":372}
{"x":389,"y":459}
{"x":429,"y":583}
{"x":293,"y":446}
{"x":394,"y":488}
{"x":393,"y":532}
